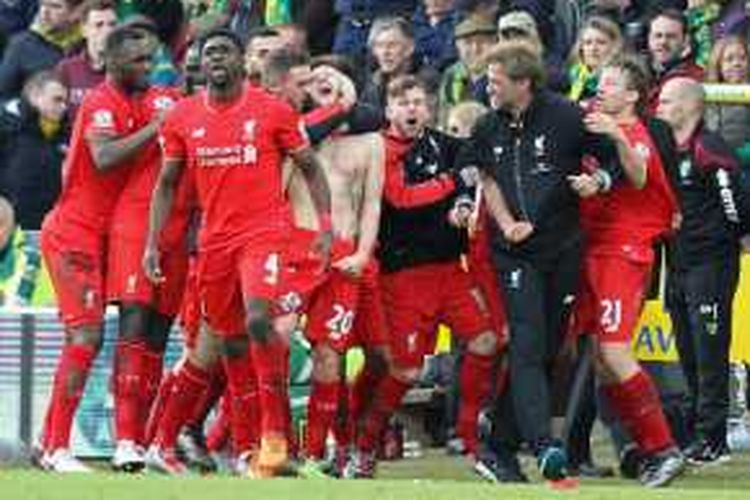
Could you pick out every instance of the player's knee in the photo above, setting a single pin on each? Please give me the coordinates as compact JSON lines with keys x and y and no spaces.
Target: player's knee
{"x":613,"y":361}
{"x":284,"y":325}
{"x":377,"y":361}
{"x":235,"y":347}
{"x":258,"y":320}
{"x":157,"y":334}
{"x":134,"y":321}
{"x":407,"y":375}
{"x":90,"y":335}
{"x":484,"y":344}
{"x":326,"y":364}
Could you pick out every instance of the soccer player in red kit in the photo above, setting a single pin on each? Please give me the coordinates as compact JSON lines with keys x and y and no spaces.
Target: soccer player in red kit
{"x":106,"y":136}
{"x":232,"y":140}
{"x":621,"y":228}
{"x":146,"y":312}
{"x":422,"y":280}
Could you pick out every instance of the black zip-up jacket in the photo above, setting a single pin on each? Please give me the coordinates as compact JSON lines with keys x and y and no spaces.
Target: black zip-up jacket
{"x":706,"y":180}
{"x":30,"y":164}
{"x":420,"y":189}
{"x":530,"y":159}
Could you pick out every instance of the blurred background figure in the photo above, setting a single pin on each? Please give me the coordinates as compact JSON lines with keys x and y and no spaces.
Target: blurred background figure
{"x":54,"y":34}
{"x":599,"y":41}
{"x":33,"y":140}
{"x":23,"y":277}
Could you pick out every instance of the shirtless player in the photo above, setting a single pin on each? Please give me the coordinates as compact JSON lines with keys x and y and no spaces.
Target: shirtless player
{"x":341,"y":302}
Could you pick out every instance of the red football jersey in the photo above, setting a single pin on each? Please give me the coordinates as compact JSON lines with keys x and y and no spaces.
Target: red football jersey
{"x":628,"y":217}
{"x":88,"y":195}
{"x":131,"y":218}
{"x":235,"y":155}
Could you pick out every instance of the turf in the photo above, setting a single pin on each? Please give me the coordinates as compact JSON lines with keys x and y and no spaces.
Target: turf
{"x":440,"y":478}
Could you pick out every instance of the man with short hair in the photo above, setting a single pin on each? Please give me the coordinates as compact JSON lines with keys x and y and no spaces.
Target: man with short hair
{"x":53,"y":35}
{"x":419,"y":247}
{"x":342,"y":304}
{"x":146,"y":312}
{"x":260,"y":43}
{"x":106,"y":136}
{"x":621,"y":229}
{"x":391,"y":42}
{"x":703,"y":264}
{"x":85,"y":70}
{"x":232,"y":139}
{"x":669,"y":52}
{"x":34,"y":132}
{"x":465,"y":80}
{"x":530,"y":151}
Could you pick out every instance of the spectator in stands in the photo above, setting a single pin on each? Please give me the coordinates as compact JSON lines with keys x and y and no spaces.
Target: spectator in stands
{"x":85,"y":70}
{"x":23,"y":277}
{"x":729,"y":64}
{"x":15,"y":16}
{"x":206,"y":15}
{"x":391,"y":42}
{"x":434,"y":23}
{"x":669,"y":52}
{"x":319,"y":18}
{"x":260,"y":43}
{"x":53,"y":35}
{"x":33,"y":138}
{"x":519,"y":24}
{"x":465,"y":80}
{"x":356,"y":18}
{"x":294,"y":36}
{"x":598,"y":42}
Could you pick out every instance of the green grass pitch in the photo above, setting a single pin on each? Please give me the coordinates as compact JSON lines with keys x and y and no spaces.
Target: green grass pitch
{"x":432,"y":477}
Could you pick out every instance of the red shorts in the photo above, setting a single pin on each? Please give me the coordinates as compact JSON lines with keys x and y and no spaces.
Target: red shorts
{"x":230,"y":277}
{"x":611,"y":297}
{"x":485,"y":281}
{"x":126,"y":282}
{"x":76,"y":267}
{"x":416,"y":300}
{"x":332,"y":314}
{"x":303,"y":272}
{"x":190,"y":309}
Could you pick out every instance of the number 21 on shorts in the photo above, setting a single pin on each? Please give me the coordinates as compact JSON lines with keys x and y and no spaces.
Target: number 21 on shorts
{"x":611,"y":315}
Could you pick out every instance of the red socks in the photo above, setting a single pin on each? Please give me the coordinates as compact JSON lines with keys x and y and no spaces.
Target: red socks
{"x":158,"y":406}
{"x":67,"y":389}
{"x":321,"y":411}
{"x":270,"y":360}
{"x":388,"y":397}
{"x":243,"y":407}
{"x":475,"y":381}
{"x":137,"y":375}
{"x":361,"y":397}
{"x":218,"y":434}
{"x":216,"y":387}
{"x":190,"y":383}
{"x":637,"y":404}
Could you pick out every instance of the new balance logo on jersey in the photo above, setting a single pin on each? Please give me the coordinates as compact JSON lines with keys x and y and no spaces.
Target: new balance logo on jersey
{"x":248,"y":131}
{"x":411,"y":342}
{"x":132,"y":281}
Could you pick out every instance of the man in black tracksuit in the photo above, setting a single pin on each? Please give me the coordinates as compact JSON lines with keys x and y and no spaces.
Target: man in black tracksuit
{"x":530,"y":150}
{"x":703,"y":263}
